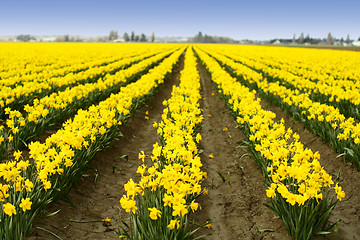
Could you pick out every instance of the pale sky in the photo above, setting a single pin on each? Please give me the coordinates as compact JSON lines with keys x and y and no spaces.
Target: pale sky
{"x":257,"y":20}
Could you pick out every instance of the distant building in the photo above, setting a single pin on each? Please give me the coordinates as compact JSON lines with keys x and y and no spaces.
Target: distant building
{"x":118,"y":40}
{"x":48,"y":39}
{"x":277,"y":42}
{"x":356,"y":43}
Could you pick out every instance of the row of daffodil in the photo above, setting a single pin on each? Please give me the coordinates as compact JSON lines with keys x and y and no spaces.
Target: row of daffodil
{"x":321,"y":119}
{"x":298,"y":186}
{"x":21,"y":95}
{"x":23,"y":62}
{"x":314,"y":64}
{"x":40,"y":73}
{"x":23,"y":59}
{"x":342,"y":94}
{"x":53,"y":109}
{"x":160,"y":203}
{"x":53,"y":166}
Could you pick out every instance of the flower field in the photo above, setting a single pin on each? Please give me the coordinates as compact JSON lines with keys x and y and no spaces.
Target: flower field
{"x":176,"y":141}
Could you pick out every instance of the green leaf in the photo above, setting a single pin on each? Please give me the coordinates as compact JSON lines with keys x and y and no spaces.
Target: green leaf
{"x":222,"y":176}
{"x":350,"y":152}
{"x":124,"y":156}
{"x":48,"y":231}
{"x":51,"y":214}
{"x":340,"y":155}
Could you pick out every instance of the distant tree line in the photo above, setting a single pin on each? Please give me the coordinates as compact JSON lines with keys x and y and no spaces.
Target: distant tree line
{"x":68,"y":38}
{"x":25,"y":38}
{"x":200,"y":38}
{"x":131,"y":38}
{"x":329,"y":40}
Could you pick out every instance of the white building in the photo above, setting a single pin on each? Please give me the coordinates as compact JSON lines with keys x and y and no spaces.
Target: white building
{"x":118,"y":40}
{"x":356,"y":43}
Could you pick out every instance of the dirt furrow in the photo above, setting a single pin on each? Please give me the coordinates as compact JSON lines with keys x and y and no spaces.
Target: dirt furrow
{"x":236,"y":193}
{"x":97,"y":196}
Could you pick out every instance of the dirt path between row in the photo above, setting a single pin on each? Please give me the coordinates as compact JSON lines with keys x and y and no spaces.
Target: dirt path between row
{"x":236,"y":196}
{"x":236,"y":189}
{"x":347,"y":210}
{"x":97,"y":200}
{"x":234,"y":205}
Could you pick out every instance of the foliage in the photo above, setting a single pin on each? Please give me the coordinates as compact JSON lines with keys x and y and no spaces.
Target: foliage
{"x":297,"y":184}
{"x":160,"y":203}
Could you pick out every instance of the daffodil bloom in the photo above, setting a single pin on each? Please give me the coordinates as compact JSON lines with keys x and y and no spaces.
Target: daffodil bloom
{"x":198,"y":138}
{"x":46,"y":185}
{"x":174,"y":223}
{"x":128,"y":204}
{"x":208,"y":225}
{"x":130,"y":187}
{"x":142,"y":156}
{"x":179,"y":210}
{"x":270,"y":192}
{"x":17,"y":154}
{"x":194,"y":206}
{"x":9,"y":209}
{"x":25,"y":204}
{"x":154,"y":213}
{"x":340,"y":194}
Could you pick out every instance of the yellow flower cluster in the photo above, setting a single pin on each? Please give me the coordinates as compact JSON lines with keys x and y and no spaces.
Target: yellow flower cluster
{"x":328,"y":117}
{"x":63,"y":154}
{"x":58,"y":65}
{"x":89,"y":126}
{"x":44,"y":111}
{"x":176,"y":166}
{"x":12,"y":175}
{"x":37,"y":87}
{"x":313,"y":64}
{"x":295,"y":172}
{"x":324,"y":74}
{"x":309,"y":80}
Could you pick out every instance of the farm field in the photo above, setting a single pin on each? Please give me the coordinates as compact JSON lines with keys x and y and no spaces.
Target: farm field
{"x":249,"y":142}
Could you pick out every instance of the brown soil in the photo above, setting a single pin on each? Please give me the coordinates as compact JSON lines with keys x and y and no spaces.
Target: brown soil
{"x":235,"y":206}
{"x":97,"y":200}
{"x":236,"y":189}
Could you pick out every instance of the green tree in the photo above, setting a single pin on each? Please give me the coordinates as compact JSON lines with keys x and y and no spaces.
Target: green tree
{"x":142,"y":38}
{"x":198,"y":38}
{"x":153,"y":37}
{"x":113,"y":35}
{"x":126,"y":37}
{"x":132,"y":38}
{"x":67,"y":38}
{"x":301,"y":38}
{"x":24,"y":38}
{"x":329,"y":39}
{"x":347,"y":39}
